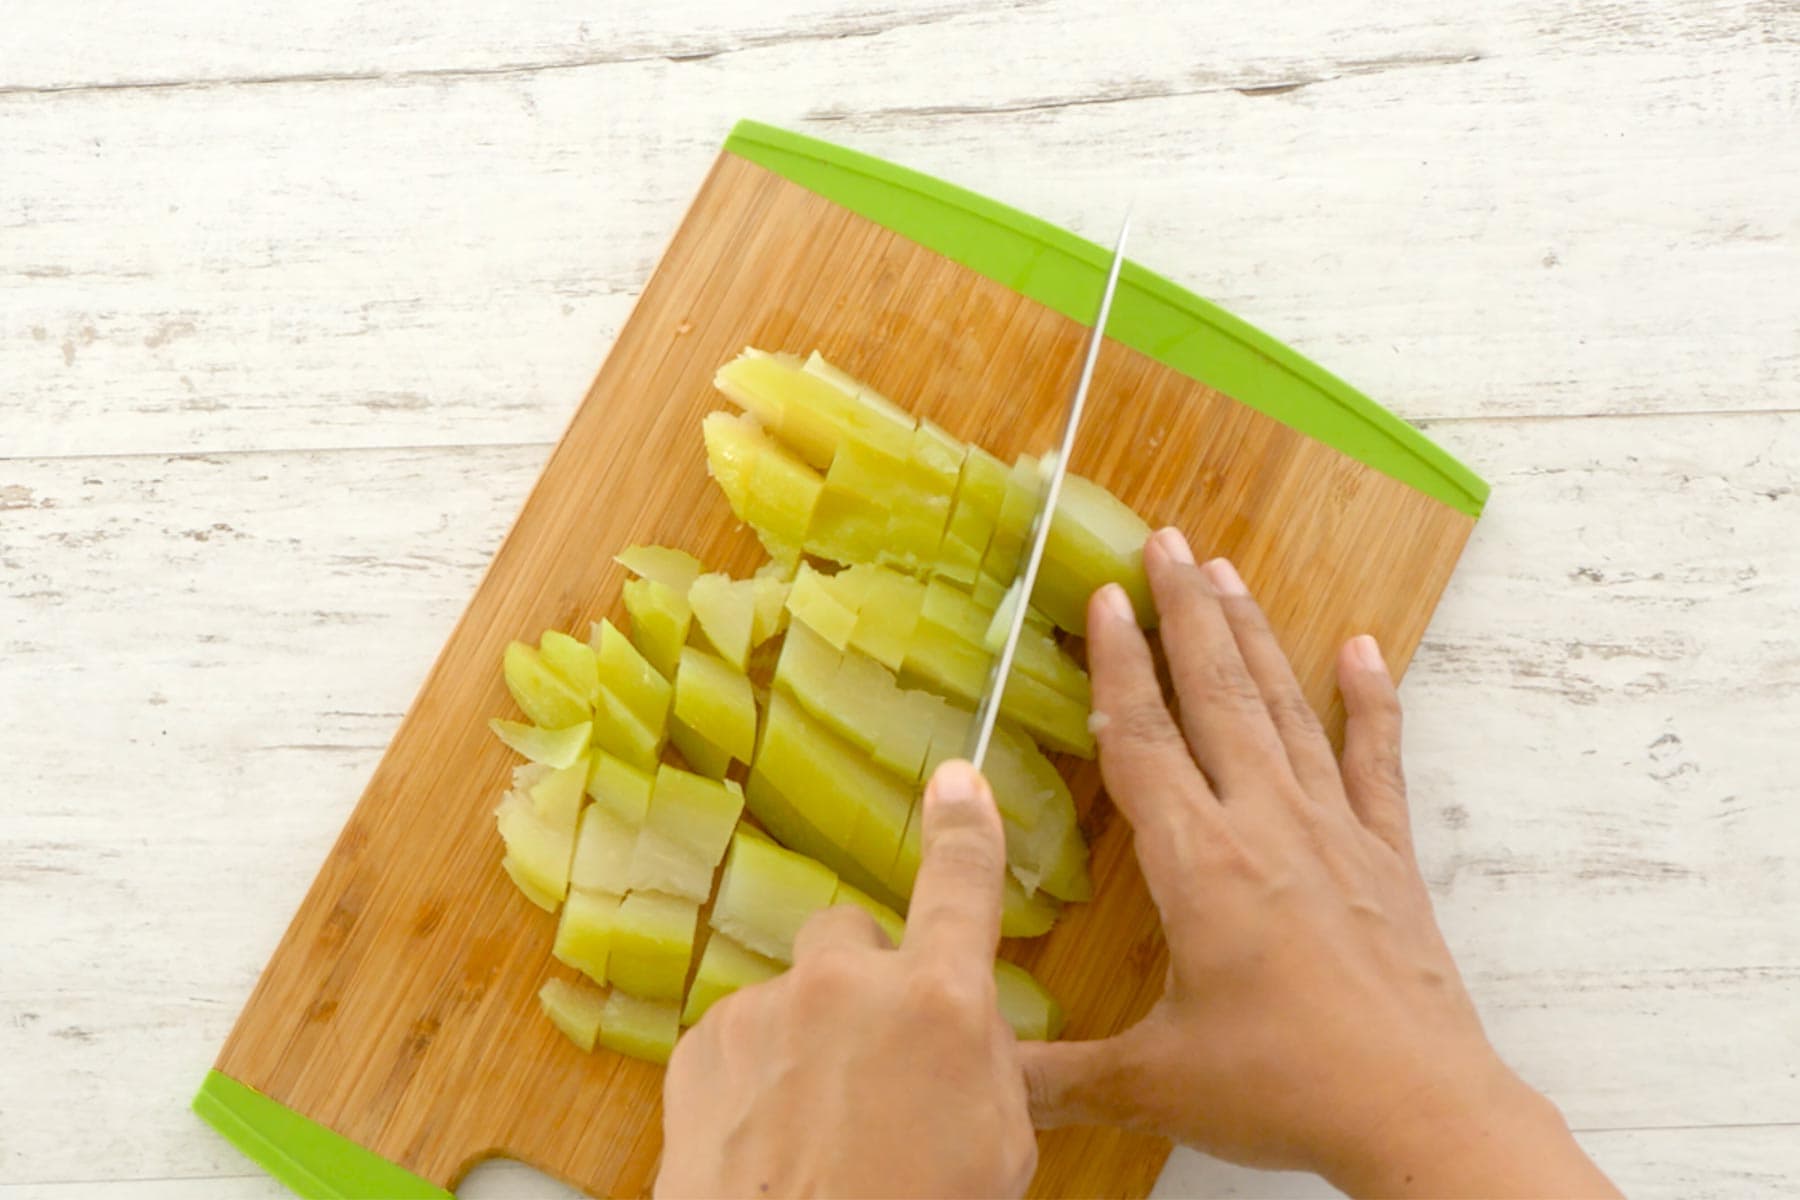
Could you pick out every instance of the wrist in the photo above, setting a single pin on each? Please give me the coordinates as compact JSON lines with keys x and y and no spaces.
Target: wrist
{"x":1486,"y":1134}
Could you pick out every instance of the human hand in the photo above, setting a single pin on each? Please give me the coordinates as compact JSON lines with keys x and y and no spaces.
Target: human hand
{"x":1312,"y":1016}
{"x":867,"y":1070}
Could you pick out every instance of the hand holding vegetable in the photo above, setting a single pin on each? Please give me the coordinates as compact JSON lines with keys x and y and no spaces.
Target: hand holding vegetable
{"x":865,"y":1069}
{"x":1312,"y":1015}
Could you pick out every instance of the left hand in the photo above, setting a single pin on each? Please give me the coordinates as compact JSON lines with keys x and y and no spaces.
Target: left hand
{"x":867,"y":1070}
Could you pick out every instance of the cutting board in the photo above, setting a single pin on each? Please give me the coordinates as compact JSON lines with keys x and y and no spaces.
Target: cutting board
{"x":394,"y":1039}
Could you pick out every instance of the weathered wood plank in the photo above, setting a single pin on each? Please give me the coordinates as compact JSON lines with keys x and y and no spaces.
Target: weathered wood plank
{"x":1518,"y":212}
{"x":203,"y":657}
{"x":1168,"y":46}
{"x":1725,"y":1163}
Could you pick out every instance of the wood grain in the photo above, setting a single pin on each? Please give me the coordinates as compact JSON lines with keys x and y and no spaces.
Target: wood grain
{"x":1448,"y":207}
{"x":398,"y":1008}
{"x":357,"y":373}
{"x":1587,"y":756}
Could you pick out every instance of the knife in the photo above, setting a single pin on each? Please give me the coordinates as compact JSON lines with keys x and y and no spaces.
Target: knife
{"x":1052,"y":467}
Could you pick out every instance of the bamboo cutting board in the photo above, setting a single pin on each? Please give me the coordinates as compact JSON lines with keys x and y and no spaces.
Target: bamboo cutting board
{"x":394,"y":1039}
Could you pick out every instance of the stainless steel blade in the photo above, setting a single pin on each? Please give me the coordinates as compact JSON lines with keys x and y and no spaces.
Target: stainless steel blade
{"x":1054,"y":466}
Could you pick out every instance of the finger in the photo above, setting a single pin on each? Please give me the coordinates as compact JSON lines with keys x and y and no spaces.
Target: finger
{"x":1080,"y":1083}
{"x":836,"y":927}
{"x":1222,"y":712}
{"x":1296,"y":724}
{"x":1373,"y":776}
{"x":955,"y":909}
{"x":1148,"y":770}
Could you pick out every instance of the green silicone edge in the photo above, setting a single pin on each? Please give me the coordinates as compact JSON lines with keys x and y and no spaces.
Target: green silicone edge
{"x":300,"y":1152}
{"x":1150,"y":314}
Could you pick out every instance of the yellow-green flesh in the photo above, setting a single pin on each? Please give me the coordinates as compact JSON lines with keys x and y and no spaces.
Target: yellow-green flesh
{"x":552,"y":747}
{"x":872,"y":687}
{"x":725,"y":610}
{"x":573,"y":1008}
{"x":543,"y":695}
{"x":685,"y":834}
{"x":674,"y":569}
{"x":538,"y":852}
{"x":725,"y":966}
{"x":642,"y":1027}
{"x":714,"y":696}
{"x":572,"y":660}
{"x":652,"y":943}
{"x":660,"y":619}
{"x":766,"y":893}
{"x":625,"y":672}
{"x":584,"y":934}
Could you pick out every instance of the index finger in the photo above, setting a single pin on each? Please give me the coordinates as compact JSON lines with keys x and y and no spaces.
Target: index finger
{"x":955,"y":910}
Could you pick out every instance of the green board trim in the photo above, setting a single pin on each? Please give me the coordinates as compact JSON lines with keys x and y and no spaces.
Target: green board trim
{"x":312,"y":1160}
{"x":1150,"y":314}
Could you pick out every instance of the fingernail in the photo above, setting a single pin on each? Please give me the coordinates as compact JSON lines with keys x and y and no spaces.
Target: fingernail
{"x":1113,"y":597}
{"x":955,"y":782}
{"x":1224,"y":578}
{"x":1174,"y":545}
{"x":1368,"y":653}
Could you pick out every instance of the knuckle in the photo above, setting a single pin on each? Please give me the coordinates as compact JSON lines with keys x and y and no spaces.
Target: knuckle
{"x":1141,"y":722}
{"x":1245,"y":611}
{"x":1290,"y":711}
{"x":968,"y":850}
{"x":1224,"y":680}
{"x":1382,"y":768}
{"x":945,"y":996}
{"x":830,"y":970}
{"x":846,"y":920}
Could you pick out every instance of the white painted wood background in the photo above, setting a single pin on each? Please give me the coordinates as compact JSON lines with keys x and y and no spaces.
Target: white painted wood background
{"x":294,"y":298}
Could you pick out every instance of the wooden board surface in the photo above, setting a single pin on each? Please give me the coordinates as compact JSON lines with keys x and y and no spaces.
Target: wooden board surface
{"x":399,"y":1007}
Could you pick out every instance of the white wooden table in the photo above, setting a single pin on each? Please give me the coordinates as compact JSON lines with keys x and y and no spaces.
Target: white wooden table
{"x":294,"y":298}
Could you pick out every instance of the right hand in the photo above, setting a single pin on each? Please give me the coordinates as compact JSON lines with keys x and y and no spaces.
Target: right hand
{"x":1312,"y":1016}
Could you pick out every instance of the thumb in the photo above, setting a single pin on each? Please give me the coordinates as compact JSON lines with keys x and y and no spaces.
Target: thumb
{"x":1081,"y":1083}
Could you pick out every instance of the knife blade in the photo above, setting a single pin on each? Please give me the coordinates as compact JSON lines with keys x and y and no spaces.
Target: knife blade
{"x":1052,"y":467}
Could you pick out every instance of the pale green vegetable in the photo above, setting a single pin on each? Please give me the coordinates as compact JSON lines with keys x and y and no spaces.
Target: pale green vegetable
{"x":1095,"y":538}
{"x":652,"y":944}
{"x":604,"y":844}
{"x":584,"y":935}
{"x":660,"y":620}
{"x":769,"y":618}
{"x":552,"y":747}
{"x":537,"y":853}
{"x":769,"y":489}
{"x":620,"y":788}
{"x":702,"y":756}
{"x":860,"y":808}
{"x":573,"y":1008}
{"x":821,"y":796}
{"x":556,"y":796}
{"x":725,"y":609}
{"x":811,"y":410}
{"x":543,"y":695}
{"x":674,"y":569}
{"x":724,"y":967}
{"x":619,"y":732}
{"x":811,"y":600}
{"x":573,"y":661}
{"x":714,"y":697}
{"x":639,"y":1027}
{"x":767,"y":893}
{"x":630,"y":676}
{"x":685,"y":834}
